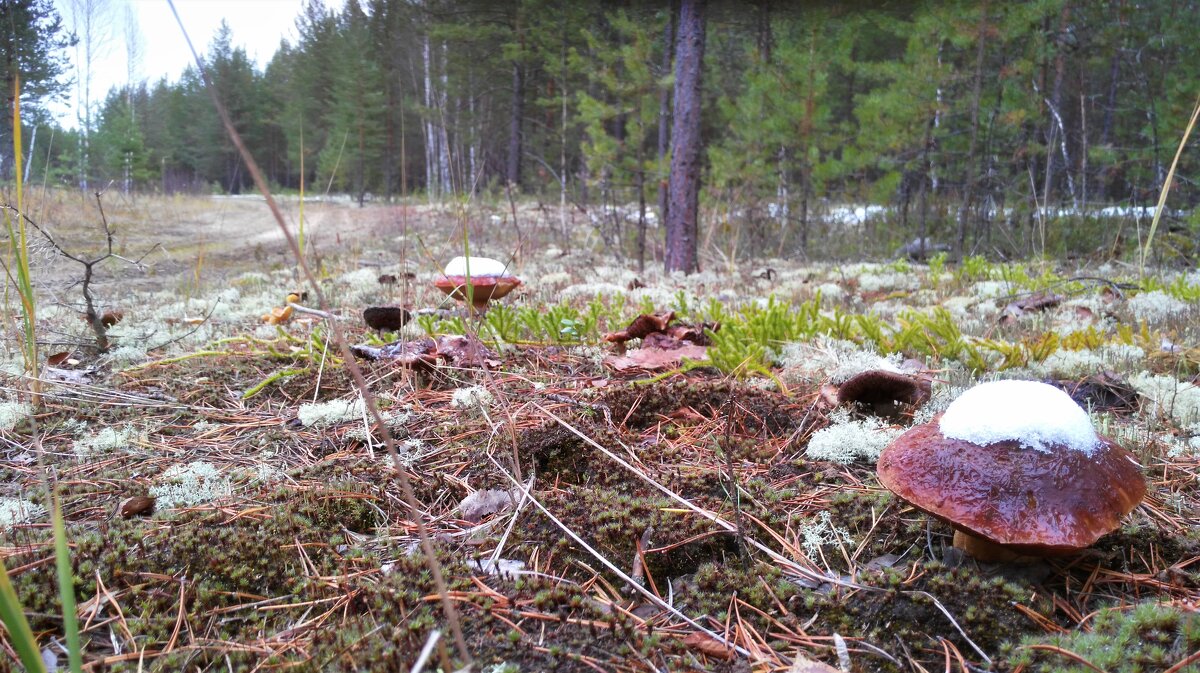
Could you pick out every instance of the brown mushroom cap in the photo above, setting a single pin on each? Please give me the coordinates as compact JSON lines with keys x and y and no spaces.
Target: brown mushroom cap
{"x":1033,"y":502}
{"x":386,"y":317}
{"x":880,"y":386}
{"x":483,"y":288}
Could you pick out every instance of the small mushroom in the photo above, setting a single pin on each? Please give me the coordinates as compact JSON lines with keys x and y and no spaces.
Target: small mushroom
{"x":489,"y":279}
{"x":879,"y":390}
{"x":386,"y":318}
{"x":1017,"y":469}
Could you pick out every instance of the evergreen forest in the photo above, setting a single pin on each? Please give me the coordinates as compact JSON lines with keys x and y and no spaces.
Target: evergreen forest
{"x":968,"y":121}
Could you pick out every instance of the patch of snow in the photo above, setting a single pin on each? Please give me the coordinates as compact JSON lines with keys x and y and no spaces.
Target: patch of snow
{"x":480,"y":266}
{"x":1034,"y":414}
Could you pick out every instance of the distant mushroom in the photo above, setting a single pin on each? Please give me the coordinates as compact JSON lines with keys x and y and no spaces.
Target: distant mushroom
{"x":1017,"y":469}
{"x":386,"y":318}
{"x":489,"y":279}
{"x":879,"y":390}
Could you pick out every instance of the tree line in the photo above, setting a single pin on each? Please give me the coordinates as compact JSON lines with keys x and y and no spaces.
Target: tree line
{"x":956,"y":115}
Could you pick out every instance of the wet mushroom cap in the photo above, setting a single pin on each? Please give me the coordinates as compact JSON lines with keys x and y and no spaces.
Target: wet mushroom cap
{"x":1037,"y":502}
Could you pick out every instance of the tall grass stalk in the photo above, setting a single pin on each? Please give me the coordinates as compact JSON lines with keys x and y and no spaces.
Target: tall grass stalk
{"x":19,"y":633}
{"x":66,"y":587}
{"x":1166,"y":189}
{"x":18,"y":248}
{"x":10,"y":608}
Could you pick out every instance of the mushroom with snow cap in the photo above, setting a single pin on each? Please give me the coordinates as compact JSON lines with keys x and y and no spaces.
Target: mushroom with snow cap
{"x":1017,"y":469}
{"x":476,"y":279}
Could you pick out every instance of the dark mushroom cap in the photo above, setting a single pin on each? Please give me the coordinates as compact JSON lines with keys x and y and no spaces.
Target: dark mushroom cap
{"x":879,"y":386}
{"x":1038,"y":502}
{"x":386,"y":317}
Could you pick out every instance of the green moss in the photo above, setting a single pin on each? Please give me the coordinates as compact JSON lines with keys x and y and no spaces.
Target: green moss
{"x":1139,"y":639}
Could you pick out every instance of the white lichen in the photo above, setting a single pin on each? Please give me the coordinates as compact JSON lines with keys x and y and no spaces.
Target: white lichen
{"x":189,"y":485}
{"x":472,"y":398}
{"x":821,"y":532}
{"x":106,"y":440}
{"x":12,"y":413}
{"x":1177,"y":400}
{"x":15,"y":510}
{"x":325,"y":414}
{"x":849,"y":440}
{"x":1156,"y":305}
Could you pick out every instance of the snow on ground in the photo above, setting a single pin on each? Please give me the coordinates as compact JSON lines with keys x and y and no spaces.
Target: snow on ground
{"x":1035,"y":414}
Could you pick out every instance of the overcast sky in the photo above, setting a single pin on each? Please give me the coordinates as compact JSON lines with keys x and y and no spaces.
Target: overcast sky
{"x":257,"y":26}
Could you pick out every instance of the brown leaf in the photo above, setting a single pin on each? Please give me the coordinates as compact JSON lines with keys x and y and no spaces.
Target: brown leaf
{"x":643,"y":325}
{"x":136,"y":506}
{"x":802,"y":664}
{"x":479,"y":504}
{"x":420,"y":353}
{"x":656,"y":359}
{"x":58,"y":358}
{"x":465,"y":351}
{"x":707,"y":645}
{"x":1039,"y":301}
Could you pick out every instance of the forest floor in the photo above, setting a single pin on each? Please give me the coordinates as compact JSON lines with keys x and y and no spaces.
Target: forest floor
{"x":231,"y":507}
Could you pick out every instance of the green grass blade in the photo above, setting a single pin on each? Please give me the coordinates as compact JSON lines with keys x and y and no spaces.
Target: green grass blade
{"x":14,"y":621}
{"x":66,"y":590}
{"x":1166,"y":188}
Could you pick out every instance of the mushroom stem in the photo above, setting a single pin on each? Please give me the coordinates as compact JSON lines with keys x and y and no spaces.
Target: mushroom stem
{"x":986,"y":550}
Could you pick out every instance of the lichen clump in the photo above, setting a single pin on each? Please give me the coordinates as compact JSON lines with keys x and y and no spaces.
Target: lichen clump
{"x":189,"y":485}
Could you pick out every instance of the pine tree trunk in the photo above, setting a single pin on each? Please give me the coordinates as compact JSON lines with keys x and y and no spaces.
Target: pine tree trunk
{"x":683,"y":189}
{"x":964,"y":209}
{"x":664,"y":114}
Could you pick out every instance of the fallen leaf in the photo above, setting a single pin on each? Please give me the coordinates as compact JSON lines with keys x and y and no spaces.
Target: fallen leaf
{"x":484,"y":503}
{"x":656,"y":359}
{"x":465,"y":351}
{"x":707,"y":645}
{"x":802,"y":664}
{"x":135,"y":506}
{"x":641,"y":327}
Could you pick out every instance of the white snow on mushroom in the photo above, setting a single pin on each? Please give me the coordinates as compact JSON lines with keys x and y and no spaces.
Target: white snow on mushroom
{"x":1035,"y":414}
{"x":480,"y":266}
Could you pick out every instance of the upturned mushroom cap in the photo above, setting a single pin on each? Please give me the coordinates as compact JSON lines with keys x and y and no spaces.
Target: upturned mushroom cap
{"x":879,"y":389}
{"x":1036,"y":502}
